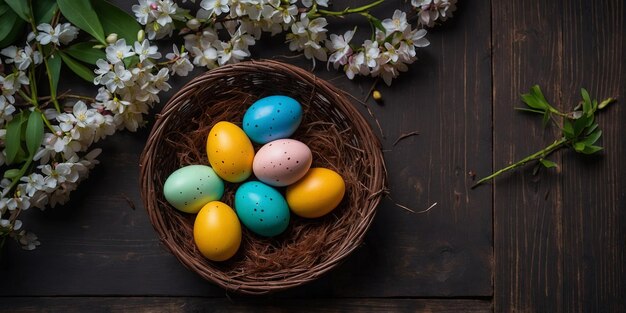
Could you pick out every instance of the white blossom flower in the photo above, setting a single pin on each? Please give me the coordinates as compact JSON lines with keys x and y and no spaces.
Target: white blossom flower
{"x":143,"y":11}
{"x":340,"y":46}
{"x":119,"y":51}
{"x":215,"y":6}
{"x":21,"y":57}
{"x":309,"y":3}
{"x":206,"y":57}
{"x":144,"y":50}
{"x":181,"y":65}
{"x":28,"y":240}
{"x":61,"y":33}
{"x":397,"y":23}
{"x":356,"y":65}
{"x":118,"y":78}
{"x":416,"y":37}
{"x":48,"y":34}
{"x":34,"y":183}
{"x":432,"y":10}
{"x":67,"y":33}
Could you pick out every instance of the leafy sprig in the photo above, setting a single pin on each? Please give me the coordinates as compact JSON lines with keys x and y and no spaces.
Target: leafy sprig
{"x":580,"y":130}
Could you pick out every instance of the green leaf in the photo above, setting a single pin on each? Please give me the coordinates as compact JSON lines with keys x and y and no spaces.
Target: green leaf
{"x":606,"y":102}
{"x":34,"y":132}
{"x":80,"y":70}
{"x":12,"y":140}
{"x":20,"y":7}
{"x":115,"y":20}
{"x":547,"y":163}
{"x":582,"y":123}
{"x":591,"y":149}
{"x":537,"y":93}
{"x":568,"y":129}
{"x":586,"y":101}
{"x":591,"y":128}
{"x":378,"y":24}
{"x":7,"y":21}
{"x":3,"y":8}
{"x":591,"y":139}
{"x":533,"y":102}
{"x":84,"y":51}
{"x":579,"y":146}
{"x":82,"y":15}
{"x":54,"y":63}
{"x":44,"y":11}
{"x":12,"y":173}
{"x":14,"y":26}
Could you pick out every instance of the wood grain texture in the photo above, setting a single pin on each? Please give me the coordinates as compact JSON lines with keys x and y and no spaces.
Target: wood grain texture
{"x":183,"y":305}
{"x":527,"y":50}
{"x":559,"y":236}
{"x":98,"y":245}
{"x":594,"y":198}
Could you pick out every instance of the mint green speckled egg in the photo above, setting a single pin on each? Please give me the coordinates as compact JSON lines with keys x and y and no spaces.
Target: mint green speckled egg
{"x":189,"y":188}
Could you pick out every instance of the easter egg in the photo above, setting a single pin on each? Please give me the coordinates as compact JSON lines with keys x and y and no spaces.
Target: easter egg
{"x":316,"y":194}
{"x":282,"y":162}
{"x":216,"y":231}
{"x":261,"y":208}
{"x":271,"y":118}
{"x":191,"y":187}
{"x":230,"y":152}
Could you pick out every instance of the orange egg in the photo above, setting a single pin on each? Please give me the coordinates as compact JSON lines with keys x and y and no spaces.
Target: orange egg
{"x":317,"y":193}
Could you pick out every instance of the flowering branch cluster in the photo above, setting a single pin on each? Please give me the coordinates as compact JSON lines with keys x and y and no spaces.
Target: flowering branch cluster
{"x":45,"y":141}
{"x":388,"y":52}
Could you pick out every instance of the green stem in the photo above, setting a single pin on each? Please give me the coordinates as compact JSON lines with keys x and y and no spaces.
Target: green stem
{"x":53,"y":92}
{"x":361,"y":9}
{"x":557,"y":144}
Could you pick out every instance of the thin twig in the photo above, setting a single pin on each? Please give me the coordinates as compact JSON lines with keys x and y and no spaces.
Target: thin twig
{"x":405,"y":135}
{"x":369,"y":93}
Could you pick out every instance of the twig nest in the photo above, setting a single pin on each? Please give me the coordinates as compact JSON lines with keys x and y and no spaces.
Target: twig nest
{"x":339,"y":138}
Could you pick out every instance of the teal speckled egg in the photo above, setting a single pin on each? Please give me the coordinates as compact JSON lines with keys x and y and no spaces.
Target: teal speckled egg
{"x":261,"y":208}
{"x":191,"y":187}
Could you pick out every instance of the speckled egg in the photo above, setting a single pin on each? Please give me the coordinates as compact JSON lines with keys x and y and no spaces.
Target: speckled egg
{"x":261,"y":208}
{"x":230,"y":152}
{"x":190,"y":187}
{"x":282,"y":162}
{"x":317,"y":193}
{"x":217,"y":232}
{"x":272,"y":118}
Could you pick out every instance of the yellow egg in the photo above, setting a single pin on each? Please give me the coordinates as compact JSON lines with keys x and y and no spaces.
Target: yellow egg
{"x":217,"y":231}
{"x":317,"y":193}
{"x":230,"y":152}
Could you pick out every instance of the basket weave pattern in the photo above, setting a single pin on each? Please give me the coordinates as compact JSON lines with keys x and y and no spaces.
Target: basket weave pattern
{"x":339,"y":138}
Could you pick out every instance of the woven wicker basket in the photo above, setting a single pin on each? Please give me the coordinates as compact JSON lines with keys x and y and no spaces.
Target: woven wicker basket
{"x":339,"y":138}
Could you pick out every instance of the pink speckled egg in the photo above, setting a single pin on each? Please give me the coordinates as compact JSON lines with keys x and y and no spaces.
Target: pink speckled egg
{"x":282,"y":162}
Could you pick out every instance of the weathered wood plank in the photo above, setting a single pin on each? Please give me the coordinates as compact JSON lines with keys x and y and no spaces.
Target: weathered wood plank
{"x":594,"y":198}
{"x":527,"y":50}
{"x":98,"y":245}
{"x":175,"y":305}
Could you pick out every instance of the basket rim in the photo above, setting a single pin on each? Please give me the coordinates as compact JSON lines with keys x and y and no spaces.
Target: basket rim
{"x":148,"y":192}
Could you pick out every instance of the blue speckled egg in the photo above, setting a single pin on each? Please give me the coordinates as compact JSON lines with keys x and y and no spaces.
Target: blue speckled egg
{"x":261,"y":208}
{"x":271,"y":118}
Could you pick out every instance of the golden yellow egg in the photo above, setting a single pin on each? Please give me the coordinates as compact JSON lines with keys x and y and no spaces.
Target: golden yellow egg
{"x":230,"y":152}
{"x":217,"y":231}
{"x":317,"y":193}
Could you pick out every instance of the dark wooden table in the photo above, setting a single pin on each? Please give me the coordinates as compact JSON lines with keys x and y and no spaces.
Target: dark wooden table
{"x":552,"y":242}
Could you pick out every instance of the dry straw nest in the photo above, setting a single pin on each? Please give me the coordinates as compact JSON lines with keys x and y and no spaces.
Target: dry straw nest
{"x":339,"y":138}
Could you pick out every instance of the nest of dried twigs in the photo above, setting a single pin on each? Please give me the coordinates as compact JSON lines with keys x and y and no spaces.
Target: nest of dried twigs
{"x":339,"y":138}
